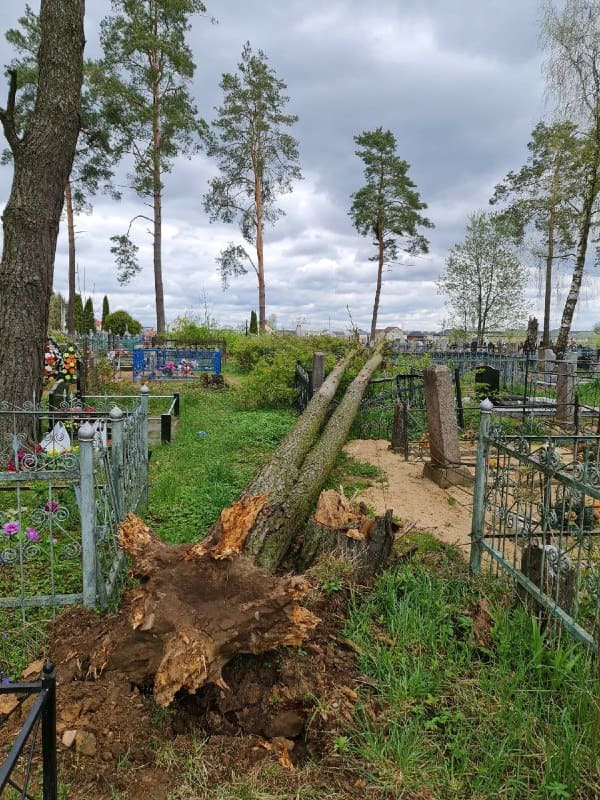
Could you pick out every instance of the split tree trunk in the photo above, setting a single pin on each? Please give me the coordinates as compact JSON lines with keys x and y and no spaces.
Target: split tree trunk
{"x":199,"y":605}
{"x":273,"y":532}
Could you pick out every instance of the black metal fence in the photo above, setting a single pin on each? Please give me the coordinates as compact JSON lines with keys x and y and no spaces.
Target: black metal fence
{"x":21,"y":757}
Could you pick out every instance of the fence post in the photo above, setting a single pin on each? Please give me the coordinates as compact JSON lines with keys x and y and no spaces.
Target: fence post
{"x":459,"y":403}
{"x":399,"y":441}
{"x":85,"y":436}
{"x":144,"y":395}
{"x":165,"y":429}
{"x":50,"y":783}
{"x":317,"y":372}
{"x":478,"y":519}
{"x":116,"y":425}
{"x":176,"y":398}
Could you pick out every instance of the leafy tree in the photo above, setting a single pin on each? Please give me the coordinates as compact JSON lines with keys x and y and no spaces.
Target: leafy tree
{"x":95,"y":155}
{"x":89,"y":323}
{"x":79,"y":314}
{"x":144,"y":80}
{"x":120,"y":321}
{"x":388,"y":206}
{"x":483,"y":279}
{"x":42,"y":157}
{"x":105,"y":311}
{"x":257,"y":160}
{"x":571,"y":38}
{"x":545,"y":194}
{"x":253,"y":322}
{"x":56,"y":314}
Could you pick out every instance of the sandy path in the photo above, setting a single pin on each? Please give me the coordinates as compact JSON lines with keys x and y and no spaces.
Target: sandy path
{"x":414,"y":499}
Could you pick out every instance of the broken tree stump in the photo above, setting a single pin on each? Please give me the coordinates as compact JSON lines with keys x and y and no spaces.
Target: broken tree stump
{"x":196,"y":607}
{"x":337,"y":526}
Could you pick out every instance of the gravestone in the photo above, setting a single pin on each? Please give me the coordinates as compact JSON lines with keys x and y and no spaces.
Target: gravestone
{"x":488,"y":378}
{"x":474,"y":346}
{"x":445,"y":466}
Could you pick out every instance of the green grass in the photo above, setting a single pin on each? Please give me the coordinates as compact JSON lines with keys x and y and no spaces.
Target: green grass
{"x":196,"y":476}
{"x":510,"y":719}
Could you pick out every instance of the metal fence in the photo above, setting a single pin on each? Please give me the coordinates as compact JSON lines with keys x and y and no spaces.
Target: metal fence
{"x":536,"y":516}
{"x":42,"y":712}
{"x":67,"y":477}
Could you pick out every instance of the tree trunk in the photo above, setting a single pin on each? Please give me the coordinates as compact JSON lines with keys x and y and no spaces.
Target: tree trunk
{"x":281,"y":470}
{"x":157,"y":207}
{"x":71,"y":265}
{"x":260,"y":264}
{"x":380,"y":259}
{"x":550,"y":255}
{"x":42,"y":162}
{"x":271,"y":535}
{"x":196,"y":606}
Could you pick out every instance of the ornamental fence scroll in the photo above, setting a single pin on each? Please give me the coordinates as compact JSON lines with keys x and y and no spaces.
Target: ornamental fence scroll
{"x":67,"y":477}
{"x":536,"y":517}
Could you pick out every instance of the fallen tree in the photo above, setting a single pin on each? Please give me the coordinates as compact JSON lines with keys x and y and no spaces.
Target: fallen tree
{"x":198,"y":605}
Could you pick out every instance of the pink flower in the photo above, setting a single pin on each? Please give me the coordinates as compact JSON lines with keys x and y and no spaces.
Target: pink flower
{"x":51,"y":506}
{"x":10,"y":528}
{"x":32,"y":535}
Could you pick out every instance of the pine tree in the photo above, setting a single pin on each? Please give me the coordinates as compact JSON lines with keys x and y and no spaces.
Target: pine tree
{"x":253,"y":322}
{"x":257,"y":160}
{"x":387,"y":207}
{"x":79,"y":314}
{"x":89,"y":323}
{"x":144,"y":80}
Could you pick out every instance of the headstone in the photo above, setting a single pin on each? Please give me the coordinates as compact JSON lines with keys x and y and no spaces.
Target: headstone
{"x":488,"y":378}
{"x":474,"y":346}
{"x":565,"y":391}
{"x":445,"y":465}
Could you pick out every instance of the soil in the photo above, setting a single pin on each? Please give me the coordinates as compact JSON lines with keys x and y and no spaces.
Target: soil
{"x":285,"y":715}
{"x":417,"y":501}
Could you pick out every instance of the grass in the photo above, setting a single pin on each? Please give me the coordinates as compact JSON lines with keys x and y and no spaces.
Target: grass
{"x":217,"y":449}
{"x":507,"y":718}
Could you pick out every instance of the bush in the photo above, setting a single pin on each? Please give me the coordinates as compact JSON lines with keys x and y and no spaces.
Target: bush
{"x":120,"y":321}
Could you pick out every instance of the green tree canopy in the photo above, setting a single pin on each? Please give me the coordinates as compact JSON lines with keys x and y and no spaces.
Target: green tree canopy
{"x":105,"y":311}
{"x":253,"y":322}
{"x":120,"y":321}
{"x":484,"y":280}
{"x":545,"y":194}
{"x":144,"y":80}
{"x":388,"y":206}
{"x":257,"y":160}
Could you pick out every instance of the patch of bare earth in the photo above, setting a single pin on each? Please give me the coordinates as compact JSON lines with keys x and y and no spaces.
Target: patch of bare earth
{"x":417,"y":501}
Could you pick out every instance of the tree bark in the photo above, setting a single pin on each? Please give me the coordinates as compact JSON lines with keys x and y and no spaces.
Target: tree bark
{"x":281,"y":470}
{"x":283,"y":516}
{"x":42,"y":158}
{"x":71,"y":265}
{"x":157,"y":193}
{"x":260,"y":264}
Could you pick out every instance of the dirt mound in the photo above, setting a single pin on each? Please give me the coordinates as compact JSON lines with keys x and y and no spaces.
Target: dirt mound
{"x":286,"y":708}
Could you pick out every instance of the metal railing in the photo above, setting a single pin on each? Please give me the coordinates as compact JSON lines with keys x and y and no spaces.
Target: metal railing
{"x":42,"y":712}
{"x":536,"y":517}
{"x":60,"y":508}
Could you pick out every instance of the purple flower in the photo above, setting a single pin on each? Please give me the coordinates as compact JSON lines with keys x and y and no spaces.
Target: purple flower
{"x":10,"y":528}
{"x":32,"y":535}
{"x":51,"y":506}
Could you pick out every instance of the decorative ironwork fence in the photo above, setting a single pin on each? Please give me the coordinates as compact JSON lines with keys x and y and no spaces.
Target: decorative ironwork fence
{"x":536,"y":516}
{"x":154,"y":362}
{"x":67,"y":477}
{"x":42,"y":711}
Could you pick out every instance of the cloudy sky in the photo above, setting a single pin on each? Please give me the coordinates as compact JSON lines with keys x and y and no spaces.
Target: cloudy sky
{"x":458,"y":82}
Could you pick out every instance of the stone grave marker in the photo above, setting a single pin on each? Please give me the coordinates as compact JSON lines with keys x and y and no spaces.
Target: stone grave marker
{"x":445,"y":466}
{"x":488,"y":378}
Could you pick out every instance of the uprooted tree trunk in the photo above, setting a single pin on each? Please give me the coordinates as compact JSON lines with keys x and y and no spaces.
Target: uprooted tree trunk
{"x":198,"y":605}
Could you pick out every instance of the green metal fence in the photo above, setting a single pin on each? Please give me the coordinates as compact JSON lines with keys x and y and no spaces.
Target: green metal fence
{"x":536,"y":516}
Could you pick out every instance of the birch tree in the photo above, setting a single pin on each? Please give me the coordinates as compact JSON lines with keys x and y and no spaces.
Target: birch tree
{"x":571,"y":39}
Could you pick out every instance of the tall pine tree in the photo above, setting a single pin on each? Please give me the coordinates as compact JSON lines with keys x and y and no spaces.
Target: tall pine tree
{"x":144,"y":80}
{"x":257,"y":161}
